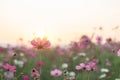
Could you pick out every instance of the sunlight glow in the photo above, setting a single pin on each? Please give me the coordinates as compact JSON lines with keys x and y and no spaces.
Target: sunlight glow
{"x":64,"y":19}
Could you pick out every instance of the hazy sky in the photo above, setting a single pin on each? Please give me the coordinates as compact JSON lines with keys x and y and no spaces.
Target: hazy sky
{"x":56,"y":18}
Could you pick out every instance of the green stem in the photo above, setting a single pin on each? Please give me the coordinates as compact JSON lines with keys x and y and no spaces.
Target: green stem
{"x":1,"y":76}
{"x":40,"y":60}
{"x":77,"y":76}
{"x":88,"y":76}
{"x":19,"y":76}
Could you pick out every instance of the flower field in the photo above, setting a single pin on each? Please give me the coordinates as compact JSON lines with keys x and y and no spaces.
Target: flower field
{"x":79,"y":60}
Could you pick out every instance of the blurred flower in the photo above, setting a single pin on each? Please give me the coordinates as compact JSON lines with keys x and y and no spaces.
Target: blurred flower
{"x":82,"y":54}
{"x":60,"y":51}
{"x":99,"y":40}
{"x":75,"y":57}
{"x":87,"y":59}
{"x":64,"y":65}
{"x":65,"y":72}
{"x":19,"y":63}
{"x":117,"y":79}
{"x":37,"y":68}
{"x":102,"y":76}
{"x":84,"y":42}
{"x":25,"y":77}
{"x":40,"y":43}
{"x":35,"y":73}
{"x":104,"y":70}
{"x":72,"y":73}
{"x":40,"y":63}
{"x":118,"y":53}
{"x":11,"y":53}
{"x":92,"y":65}
{"x":2,"y":49}
{"x":21,"y":54}
{"x":9,"y":75}
{"x":56,"y":72}
{"x":80,"y":67}
{"x":88,"y":68}
{"x":108,"y":40}
{"x":9,"y":67}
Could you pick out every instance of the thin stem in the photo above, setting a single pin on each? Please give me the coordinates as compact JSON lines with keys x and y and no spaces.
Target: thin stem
{"x":19,"y":76}
{"x":88,"y":76}
{"x":1,"y":76}
{"x":40,"y":60}
{"x":77,"y":76}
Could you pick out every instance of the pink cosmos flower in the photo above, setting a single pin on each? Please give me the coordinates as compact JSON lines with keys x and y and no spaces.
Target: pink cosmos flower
{"x":9,"y":67}
{"x":88,"y":68}
{"x":118,"y":53}
{"x":56,"y":73}
{"x":1,"y":49}
{"x":108,"y":40}
{"x":81,"y":66}
{"x":92,"y":65}
{"x":99,"y":40}
{"x":40,"y":63}
{"x":78,"y":67}
{"x":35,"y":73}
{"x":40,"y":43}
{"x":25,"y":77}
{"x":60,"y":51}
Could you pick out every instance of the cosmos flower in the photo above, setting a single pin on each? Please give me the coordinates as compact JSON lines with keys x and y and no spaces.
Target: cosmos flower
{"x":19,"y":63}
{"x":40,"y":63}
{"x":40,"y":43}
{"x":104,"y":70}
{"x":72,"y":73}
{"x":64,"y":65}
{"x":99,"y":40}
{"x":108,"y":40}
{"x":56,"y":72}
{"x":25,"y":77}
{"x":102,"y":76}
{"x":88,"y":67}
{"x":80,"y":67}
{"x":82,"y":54}
{"x":118,"y":53}
{"x":9,"y":67}
{"x":92,"y":65}
{"x":117,"y":79}
{"x":1,"y":49}
{"x":35,"y":73}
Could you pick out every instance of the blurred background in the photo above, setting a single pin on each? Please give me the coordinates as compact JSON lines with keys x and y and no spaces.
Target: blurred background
{"x":59,"y":20}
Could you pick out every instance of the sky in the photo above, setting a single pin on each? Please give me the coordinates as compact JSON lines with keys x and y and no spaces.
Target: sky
{"x":57,"y":19}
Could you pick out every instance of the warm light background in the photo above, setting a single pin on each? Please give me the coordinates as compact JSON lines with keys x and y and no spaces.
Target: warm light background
{"x":65,"y":19}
